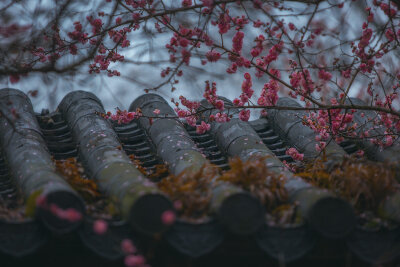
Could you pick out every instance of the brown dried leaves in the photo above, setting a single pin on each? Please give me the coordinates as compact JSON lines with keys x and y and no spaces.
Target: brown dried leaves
{"x":191,"y":189}
{"x":254,"y":176}
{"x":73,"y":172}
{"x":363,"y":183}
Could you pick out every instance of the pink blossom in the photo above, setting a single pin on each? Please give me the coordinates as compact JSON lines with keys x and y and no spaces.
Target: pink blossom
{"x":264,"y":113}
{"x":390,"y":35}
{"x":273,"y":53}
{"x":302,"y":80}
{"x":14,"y":78}
{"x":288,"y":166}
{"x":294,"y":154}
{"x":219,"y":104}
{"x":276,"y":73}
{"x":183,"y":42}
{"x":363,"y":67}
{"x":210,"y":92}
{"x":390,"y":10}
{"x":240,"y":22}
{"x":295,"y":79}
{"x":324,"y":75}
{"x":246,"y":88}
{"x":365,"y":38}
{"x":69,"y":214}
{"x":136,"y":16}
{"x":182,"y":113}
{"x":191,"y":120}
{"x":221,"y":117}
{"x":237,"y":102}
{"x":347,"y":118}
{"x":388,"y":140}
{"x":244,"y":98}
{"x":232,"y":68}
{"x":123,"y":116}
{"x":370,"y":17}
{"x":237,"y":41}
{"x":258,"y":23}
{"x":127,"y":246}
{"x":224,"y":23}
{"x":100,"y":227}
{"x":213,"y":56}
{"x":13,"y":29}
{"x":207,"y":3}
{"x":269,"y":94}
{"x":186,"y":3}
{"x":360,"y":153}
{"x":244,"y":114}
{"x":125,"y":43}
{"x":96,"y":24}
{"x":320,"y":146}
{"x":255,"y":52}
{"x":78,"y":35}
{"x":202,"y":128}
{"x":168,"y":217}
{"x":346,"y":73}
{"x":134,"y":261}
{"x":186,"y":56}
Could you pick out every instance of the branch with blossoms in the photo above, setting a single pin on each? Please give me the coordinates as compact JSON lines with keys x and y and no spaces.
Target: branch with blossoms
{"x":340,"y":127}
{"x":308,"y":59}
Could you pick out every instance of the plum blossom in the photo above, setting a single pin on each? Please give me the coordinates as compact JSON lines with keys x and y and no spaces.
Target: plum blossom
{"x":186,"y":3}
{"x":14,"y":78}
{"x":202,"y":128}
{"x":207,"y":3}
{"x":213,"y":56}
{"x":127,"y":246}
{"x":100,"y":227}
{"x":237,"y":41}
{"x":168,"y":217}
{"x":220,"y":117}
{"x":134,"y":260}
{"x":360,"y":153}
{"x":69,"y":214}
{"x":122,"y":116}
{"x":319,"y":147}
{"x":244,"y":114}
{"x":294,"y":154}
{"x":219,"y":104}
{"x":324,"y":75}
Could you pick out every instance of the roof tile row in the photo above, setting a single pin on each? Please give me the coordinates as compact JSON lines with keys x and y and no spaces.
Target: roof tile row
{"x":77,"y":129}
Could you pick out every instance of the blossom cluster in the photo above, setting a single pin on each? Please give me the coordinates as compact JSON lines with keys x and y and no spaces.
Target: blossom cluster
{"x":123,"y":116}
{"x":294,"y":154}
{"x":69,"y":214}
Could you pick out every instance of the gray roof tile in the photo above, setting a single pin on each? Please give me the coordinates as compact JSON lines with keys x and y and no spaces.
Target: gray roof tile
{"x":102,"y":147}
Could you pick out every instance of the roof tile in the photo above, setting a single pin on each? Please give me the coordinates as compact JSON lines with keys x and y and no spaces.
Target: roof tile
{"x":102,"y":148}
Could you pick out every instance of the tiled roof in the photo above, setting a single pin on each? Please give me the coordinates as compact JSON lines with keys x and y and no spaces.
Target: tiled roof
{"x":236,"y":219}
